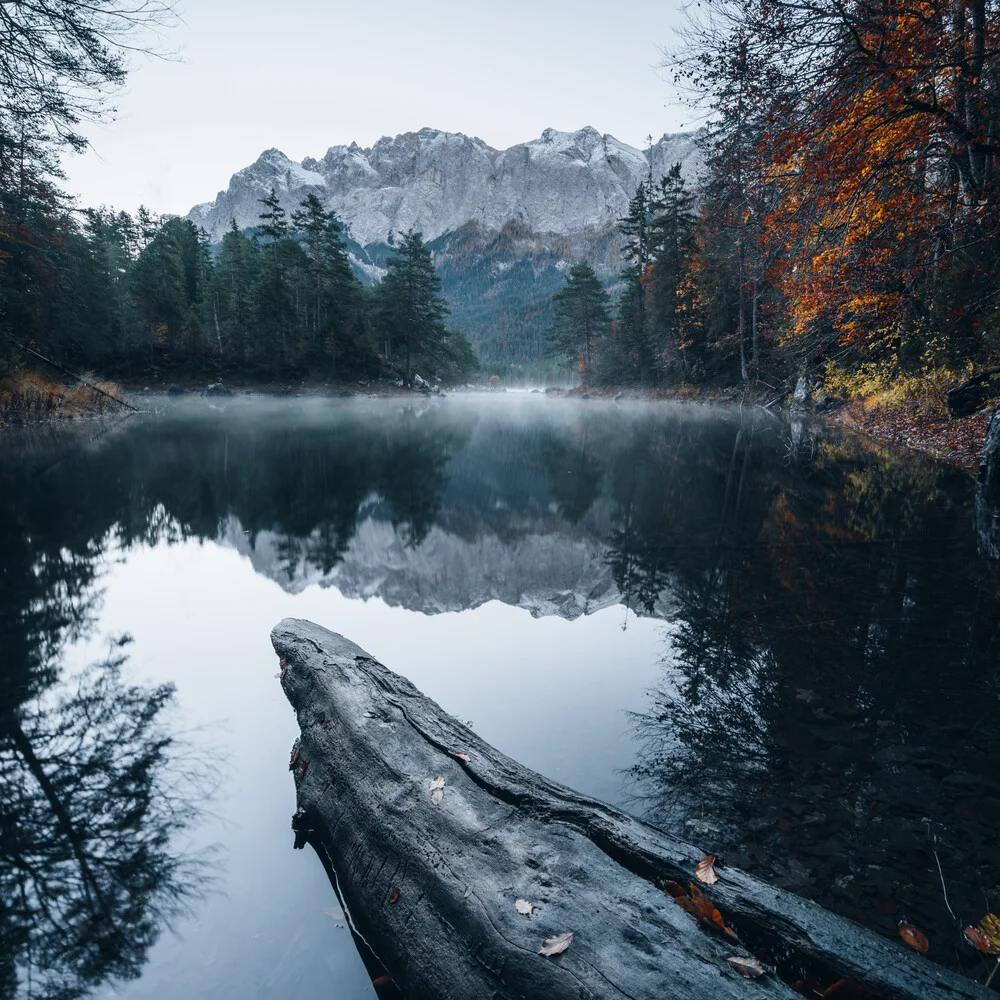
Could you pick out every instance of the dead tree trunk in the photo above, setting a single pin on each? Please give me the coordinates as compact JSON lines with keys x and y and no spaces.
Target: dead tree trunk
{"x":430,"y":877}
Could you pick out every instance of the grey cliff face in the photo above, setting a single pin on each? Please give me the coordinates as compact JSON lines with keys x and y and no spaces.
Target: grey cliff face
{"x":563,"y":183}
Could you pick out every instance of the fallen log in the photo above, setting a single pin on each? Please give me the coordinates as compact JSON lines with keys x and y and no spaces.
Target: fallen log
{"x":431,"y":837}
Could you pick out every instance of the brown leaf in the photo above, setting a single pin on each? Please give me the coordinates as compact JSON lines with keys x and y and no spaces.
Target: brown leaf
{"x":282,"y":662}
{"x":294,"y":757}
{"x":393,"y":896}
{"x":674,"y":889}
{"x":914,"y":937}
{"x":463,"y":756}
{"x":977,"y":939}
{"x":706,"y":870}
{"x":301,"y":772}
{"x":524,"y":907}
{"x":703,"y":911}
{"x":747,"y":965}
{"x":557,"y":944}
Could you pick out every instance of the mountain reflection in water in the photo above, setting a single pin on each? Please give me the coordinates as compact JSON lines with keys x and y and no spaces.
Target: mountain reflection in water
{"x":828,"y":710}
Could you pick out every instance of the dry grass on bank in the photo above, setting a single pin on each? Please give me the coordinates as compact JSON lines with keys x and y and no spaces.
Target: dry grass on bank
{"x":29,"y":397}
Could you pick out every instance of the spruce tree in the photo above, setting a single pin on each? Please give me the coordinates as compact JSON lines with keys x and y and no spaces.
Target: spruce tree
{"x":636,"y":353}
{"x":582,"y":317}
{"x":412,"y":309}
{"x":333,"y":285}
{"x":669,"y":292}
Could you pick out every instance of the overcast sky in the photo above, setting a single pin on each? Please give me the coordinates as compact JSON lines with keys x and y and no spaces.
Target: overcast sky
{"x":304,"y":75}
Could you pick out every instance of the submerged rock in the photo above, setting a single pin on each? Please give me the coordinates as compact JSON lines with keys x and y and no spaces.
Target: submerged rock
{"x":217,"y":389}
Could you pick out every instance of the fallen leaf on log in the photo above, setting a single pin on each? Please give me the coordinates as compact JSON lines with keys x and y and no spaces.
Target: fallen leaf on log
{"x":674,"y":889}
{"x":393,"y":896}
{"x":294,"y":758}
{"x":747,"y":966}
{"x":986,"y":937}
{"x":702,"y":909}
{"x":437,"y":790}
{"x":523,"y":907}
{"x":463,"y":756}
{"x":282,"y":662}
{"x":301,"y":772}
{"x":556,"y":945}
{"x":978,"y":939}
{"x":914,"y":937}
{"x":706,"y":870}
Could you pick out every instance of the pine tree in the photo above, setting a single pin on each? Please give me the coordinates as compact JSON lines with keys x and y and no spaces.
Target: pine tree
{"x":633,"y":334}
{"x":412,"y":309}
{"x":274,"y":304}
{"x":582,"y":317}
{"x":273,"y":224}
{"x":334,"y":287}
{"x":669,"y":293}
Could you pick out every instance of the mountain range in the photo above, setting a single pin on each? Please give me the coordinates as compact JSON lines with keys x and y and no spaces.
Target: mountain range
{"x":503,"y":225}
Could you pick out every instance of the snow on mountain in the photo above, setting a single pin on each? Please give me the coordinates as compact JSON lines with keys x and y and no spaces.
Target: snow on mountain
{"x":544,"y":572}
{"x":563,"y":183}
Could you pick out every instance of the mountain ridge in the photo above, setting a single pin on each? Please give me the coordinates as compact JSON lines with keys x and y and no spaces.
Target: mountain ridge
{"x":435,"y":181}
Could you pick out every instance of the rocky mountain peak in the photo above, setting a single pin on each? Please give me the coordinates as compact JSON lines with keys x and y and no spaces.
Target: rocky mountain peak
{"x":563,"y":183}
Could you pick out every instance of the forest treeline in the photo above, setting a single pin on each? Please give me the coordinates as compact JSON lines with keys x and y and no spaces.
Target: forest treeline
{"x":145,"y":297}
{"x":847,"y":222}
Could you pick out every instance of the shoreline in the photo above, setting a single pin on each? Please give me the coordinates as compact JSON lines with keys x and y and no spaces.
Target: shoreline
{"x":916,"y":426}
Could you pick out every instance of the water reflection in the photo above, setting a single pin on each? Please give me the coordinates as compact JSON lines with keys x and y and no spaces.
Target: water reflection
{"x":828,"y":708}
{"x":829,"y":711}
{"x":91,"y":799}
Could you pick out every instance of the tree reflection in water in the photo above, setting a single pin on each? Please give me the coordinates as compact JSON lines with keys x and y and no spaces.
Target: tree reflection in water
{"x":90,"y":805}
{"x":828,"y":715}
{"x":94,"y":788}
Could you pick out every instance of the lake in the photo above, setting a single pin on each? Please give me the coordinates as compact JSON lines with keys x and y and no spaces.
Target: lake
{"x":775,"y":642}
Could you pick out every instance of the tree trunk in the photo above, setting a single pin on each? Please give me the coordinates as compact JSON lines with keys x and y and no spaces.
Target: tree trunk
{"x":429,"y":881}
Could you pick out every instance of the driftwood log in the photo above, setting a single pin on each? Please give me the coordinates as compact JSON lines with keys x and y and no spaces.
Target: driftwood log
{"x":429,"y":878}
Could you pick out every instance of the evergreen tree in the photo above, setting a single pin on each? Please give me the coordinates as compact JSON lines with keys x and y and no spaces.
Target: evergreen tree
{"x":670,"y":293}
{"x":581,"y":317}
{"x":633,"y":334}
{"x":412,"y":311}
{"x":274,"y":302}
{"x":334,"y":287}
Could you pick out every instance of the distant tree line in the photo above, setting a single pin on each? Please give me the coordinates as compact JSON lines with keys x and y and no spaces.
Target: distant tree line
{"x":135,"y":296}
{"x":140,"y":296}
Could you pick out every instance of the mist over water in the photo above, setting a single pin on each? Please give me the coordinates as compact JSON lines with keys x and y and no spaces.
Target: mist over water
{"x":777,"y":644}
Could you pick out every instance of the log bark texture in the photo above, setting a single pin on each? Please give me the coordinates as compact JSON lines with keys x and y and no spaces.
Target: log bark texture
{"x":430,"y":881}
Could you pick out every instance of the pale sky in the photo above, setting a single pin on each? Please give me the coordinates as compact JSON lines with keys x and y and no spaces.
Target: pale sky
{"x":304,"y":75}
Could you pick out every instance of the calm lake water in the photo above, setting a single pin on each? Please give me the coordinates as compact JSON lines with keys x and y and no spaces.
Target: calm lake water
{"x":776,"y":643}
